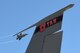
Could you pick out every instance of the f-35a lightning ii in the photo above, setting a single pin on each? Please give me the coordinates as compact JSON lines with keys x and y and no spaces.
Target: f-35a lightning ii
{"x":20,"y":36}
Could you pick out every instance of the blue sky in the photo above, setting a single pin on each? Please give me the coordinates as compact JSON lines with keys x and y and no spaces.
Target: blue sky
{"x":16,"y":15}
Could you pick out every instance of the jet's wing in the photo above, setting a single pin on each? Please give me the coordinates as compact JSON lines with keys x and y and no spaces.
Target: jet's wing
{"x":56,"y":14}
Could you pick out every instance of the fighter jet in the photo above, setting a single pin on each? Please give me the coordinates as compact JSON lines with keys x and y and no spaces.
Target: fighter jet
{"x":20,"y":36}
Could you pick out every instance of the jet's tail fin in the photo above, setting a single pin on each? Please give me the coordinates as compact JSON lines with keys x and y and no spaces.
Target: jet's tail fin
{"x":52,"y":43}
{"x":45,"y":41}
